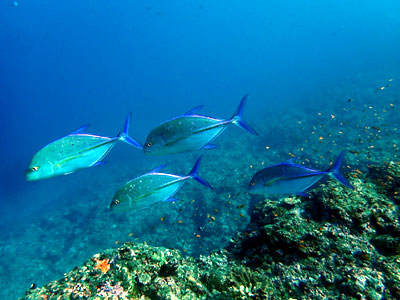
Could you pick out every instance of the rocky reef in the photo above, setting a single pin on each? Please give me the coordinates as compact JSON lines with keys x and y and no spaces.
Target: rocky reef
{"x":336,"y":244}
{"x":140,"y":271}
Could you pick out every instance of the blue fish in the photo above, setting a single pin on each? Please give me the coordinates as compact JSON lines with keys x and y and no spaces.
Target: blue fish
{"x":75,"y":151}
{"x":151,"y":188}
{"x":191,"y":132}
{"x":289,"y":178}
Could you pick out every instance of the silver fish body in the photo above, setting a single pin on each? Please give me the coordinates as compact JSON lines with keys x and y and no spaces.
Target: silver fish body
{"x":284,"y":179}
{"x":183,"y":134}
{"x":75,"y":151}
{"x":68,"y":154}
{"x":289,"y":178}
{"x":191,"y":132}
{"x":152,"y":188}
{"x":146,"y":191}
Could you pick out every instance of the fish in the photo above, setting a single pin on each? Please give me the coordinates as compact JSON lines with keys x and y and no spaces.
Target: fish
{"x":75,"y":151}
{"x":288,"y":178}
{"x":151,"y":188}
{"x":191,"y":132}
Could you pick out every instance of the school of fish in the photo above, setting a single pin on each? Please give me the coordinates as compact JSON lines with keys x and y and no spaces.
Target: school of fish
{"x":188,"y":132}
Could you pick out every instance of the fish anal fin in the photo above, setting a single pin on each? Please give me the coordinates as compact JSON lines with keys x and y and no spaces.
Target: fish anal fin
{"x":99,"y":163}
{"x":302,"y":194}
{"x":170,"y":200}
{"x":210,"y":146}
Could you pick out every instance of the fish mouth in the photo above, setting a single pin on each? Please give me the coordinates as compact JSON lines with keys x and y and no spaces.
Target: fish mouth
{"x":146,"y":149}
{"x":28,"y":175}
{"x":151,"y":152}
{"x":251,"y":190}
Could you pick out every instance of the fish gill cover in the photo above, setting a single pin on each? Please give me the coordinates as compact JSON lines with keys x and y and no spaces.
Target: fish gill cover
{"x":321,"y":77}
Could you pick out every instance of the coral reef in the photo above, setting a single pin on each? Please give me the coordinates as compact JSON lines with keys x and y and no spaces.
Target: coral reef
{"x":140,"y":271}
{"x":337,"y":243}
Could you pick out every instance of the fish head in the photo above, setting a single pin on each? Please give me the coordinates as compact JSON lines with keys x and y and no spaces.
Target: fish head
{"x":39,"y":169}
{"x":256,"y":185}
{"x":154,"y":144}
{"x":119,"y":203}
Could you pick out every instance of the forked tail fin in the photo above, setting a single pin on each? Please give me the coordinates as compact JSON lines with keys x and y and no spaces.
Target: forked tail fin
{"x":334,"y":171}
{"x":193,"y":174}
{"x":237,"y":117}
{"x":124,"y":135}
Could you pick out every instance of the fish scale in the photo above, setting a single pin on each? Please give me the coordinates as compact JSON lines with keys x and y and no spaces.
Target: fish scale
{"x":151,"y":188}
{"x":190,"y":132}
{"x":73,"y":152}
{"x":289,"y":178}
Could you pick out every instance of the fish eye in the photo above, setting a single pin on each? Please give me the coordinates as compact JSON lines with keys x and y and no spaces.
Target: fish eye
{"x":149,"y":144}
{"x":116,"y":201}
{"x":252,"y":183}
{"x":35,"y":168}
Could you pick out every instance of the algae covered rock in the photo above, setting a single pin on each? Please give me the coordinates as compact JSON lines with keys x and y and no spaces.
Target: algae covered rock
{"x":336,"y":244}
{"x":140,"y":271}
{"x":133,"y":271}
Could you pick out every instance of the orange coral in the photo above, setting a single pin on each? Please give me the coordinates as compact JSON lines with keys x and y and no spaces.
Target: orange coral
{"x":103,"y":265}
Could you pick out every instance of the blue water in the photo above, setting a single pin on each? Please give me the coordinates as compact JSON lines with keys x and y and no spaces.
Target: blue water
{"x":67,"y":63}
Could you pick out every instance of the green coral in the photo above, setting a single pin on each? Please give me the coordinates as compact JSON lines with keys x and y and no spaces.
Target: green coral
{"x":336,"y":244}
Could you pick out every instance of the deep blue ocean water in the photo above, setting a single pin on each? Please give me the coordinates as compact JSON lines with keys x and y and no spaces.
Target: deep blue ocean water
{"x":67,"y":63}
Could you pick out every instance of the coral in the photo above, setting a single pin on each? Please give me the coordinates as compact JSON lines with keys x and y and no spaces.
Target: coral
{"x":102,"y":265}
{"x":336,"y":242}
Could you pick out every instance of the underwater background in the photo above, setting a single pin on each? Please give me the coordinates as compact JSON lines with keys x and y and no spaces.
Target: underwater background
{"x":322,"y":77}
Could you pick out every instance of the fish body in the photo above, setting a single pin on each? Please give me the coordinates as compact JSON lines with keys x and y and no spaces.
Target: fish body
{"x":147,"y":190}
{"x":68,"y":154}
{"x":151,"y":188}
{"x":190,"y":132}
{"x":183,"y":134}
{"x":289,"y":178}
{"x":75,"y":151}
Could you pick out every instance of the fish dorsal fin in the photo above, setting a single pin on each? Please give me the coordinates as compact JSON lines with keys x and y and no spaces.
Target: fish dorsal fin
{"x":80,"y":129}
{"x":290,"y":161}
{"x":157,"y":169}
{"x":194,"y":110}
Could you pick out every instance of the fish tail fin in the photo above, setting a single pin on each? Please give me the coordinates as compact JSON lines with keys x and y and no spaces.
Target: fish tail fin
{"x":237,"y":117}
{"x":193,"y":174}
{"x":334,"y":171}
{"x":124,"y":135}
